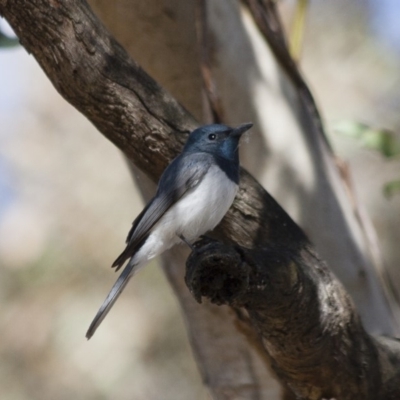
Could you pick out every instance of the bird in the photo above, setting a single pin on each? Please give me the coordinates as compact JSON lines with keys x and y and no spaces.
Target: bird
{"x":194,"y":193}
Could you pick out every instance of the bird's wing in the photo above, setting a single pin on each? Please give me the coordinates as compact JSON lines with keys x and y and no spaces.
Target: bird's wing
{"x":182,"y":175}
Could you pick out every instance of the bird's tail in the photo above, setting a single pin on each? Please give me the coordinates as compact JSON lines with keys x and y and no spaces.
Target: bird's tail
{"x":112,"y":297}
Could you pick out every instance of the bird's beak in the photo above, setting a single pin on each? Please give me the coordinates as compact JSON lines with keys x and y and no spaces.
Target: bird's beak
{"x":238,"y":131}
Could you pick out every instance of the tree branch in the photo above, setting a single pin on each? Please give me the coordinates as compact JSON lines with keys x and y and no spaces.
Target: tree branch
{"x":307,"y":321}
{"x":96,"y":75}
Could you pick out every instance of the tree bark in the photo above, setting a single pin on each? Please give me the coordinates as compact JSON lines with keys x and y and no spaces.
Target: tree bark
{"x":93,"y":72}
{"x":307,"y":321}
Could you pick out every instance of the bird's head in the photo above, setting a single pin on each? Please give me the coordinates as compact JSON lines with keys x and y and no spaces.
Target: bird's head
{"x":217,"y":139}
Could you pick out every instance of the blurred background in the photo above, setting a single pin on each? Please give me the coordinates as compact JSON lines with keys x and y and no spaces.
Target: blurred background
{"x":67,"y":202}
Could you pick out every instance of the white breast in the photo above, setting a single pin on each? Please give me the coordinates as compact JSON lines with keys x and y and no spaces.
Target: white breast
{"x":202,"y":209}
{"x":198,"y":212}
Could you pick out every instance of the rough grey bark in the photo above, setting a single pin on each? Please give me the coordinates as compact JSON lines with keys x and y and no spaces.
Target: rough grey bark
{"x":307,"y":321}
{"x":90,"y":69}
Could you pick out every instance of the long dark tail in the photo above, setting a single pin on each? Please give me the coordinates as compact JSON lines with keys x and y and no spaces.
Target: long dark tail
{"x":112,"y":297}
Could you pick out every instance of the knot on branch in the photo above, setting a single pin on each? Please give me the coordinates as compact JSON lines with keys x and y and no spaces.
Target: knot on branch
{"x":240,"y":277}
{"x":217,"y":271}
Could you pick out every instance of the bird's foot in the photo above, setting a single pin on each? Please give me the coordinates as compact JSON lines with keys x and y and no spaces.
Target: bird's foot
{"x":205,"y":237}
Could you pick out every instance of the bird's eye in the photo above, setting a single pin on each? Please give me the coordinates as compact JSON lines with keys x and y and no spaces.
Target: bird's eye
{"x":212,"y":136}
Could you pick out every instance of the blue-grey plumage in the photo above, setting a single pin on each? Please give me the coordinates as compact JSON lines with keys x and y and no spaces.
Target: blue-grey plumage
{"x":193,"y":195}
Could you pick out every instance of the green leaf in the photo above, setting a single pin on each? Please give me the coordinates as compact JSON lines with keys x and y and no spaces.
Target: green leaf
{"x":381,"y":140}
{"x":391,"y":188}
{"x":351,"y":129}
